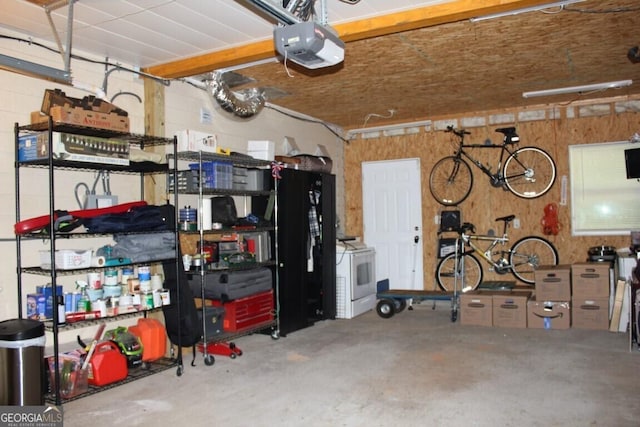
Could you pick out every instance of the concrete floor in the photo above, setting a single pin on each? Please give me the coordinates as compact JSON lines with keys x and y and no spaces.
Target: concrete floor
{"x":415,"y":369}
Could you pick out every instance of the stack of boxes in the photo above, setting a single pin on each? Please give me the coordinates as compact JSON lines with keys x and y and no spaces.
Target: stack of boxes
{"x":565,"y":296}
{"x":550,"y":307}
{"x":506,"y":309}
{"x":590,"y":298}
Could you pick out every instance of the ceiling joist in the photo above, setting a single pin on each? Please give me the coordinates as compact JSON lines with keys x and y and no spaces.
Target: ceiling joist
{"x":348,"y":32}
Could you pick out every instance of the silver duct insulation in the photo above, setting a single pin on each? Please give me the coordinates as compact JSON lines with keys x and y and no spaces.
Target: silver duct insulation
{"x":251,"y":103}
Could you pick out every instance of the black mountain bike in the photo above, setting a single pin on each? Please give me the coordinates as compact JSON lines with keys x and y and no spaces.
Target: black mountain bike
{"x":527,"y":172}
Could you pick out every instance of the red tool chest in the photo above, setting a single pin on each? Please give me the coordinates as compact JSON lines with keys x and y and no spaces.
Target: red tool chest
{"x":244,"y":313}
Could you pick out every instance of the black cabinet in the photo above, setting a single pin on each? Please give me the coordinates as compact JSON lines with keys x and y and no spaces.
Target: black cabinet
{"x":306,"y":248}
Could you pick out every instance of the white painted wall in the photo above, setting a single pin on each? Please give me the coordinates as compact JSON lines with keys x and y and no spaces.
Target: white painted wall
{"x":20,"y":95}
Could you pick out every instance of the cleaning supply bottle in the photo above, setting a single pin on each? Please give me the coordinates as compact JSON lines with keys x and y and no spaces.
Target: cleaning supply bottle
{"x":84,"y":302}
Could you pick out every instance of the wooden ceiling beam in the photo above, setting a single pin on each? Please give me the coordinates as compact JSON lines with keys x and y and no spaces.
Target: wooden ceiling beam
{"x":348,"y":32}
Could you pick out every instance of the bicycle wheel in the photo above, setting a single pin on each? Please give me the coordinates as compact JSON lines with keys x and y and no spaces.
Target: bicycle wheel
{"x":464,"y":276}
{"x":529,"y":253}
{"x":529,"y":172}
{"x":450,"y":181}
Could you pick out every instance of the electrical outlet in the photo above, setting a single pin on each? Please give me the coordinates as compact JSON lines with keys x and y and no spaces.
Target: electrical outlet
{"x":436,"y":219}
{"x":516,"y":223}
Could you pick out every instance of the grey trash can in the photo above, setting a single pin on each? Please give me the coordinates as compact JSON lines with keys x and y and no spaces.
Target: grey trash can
{"x":22,"y":362}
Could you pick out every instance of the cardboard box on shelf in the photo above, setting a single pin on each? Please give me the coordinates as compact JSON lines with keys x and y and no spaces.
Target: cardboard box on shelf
{"x":548,"y":314}
{"x":590,"y":280}
{"x":36,"y":306}
{"x":553,"y":283}
{"x":80,"y":117}
{"x":194,"y":141}
{"x":510,"y":309}
{"x":476,"y":308}
{"x":590,"y":313}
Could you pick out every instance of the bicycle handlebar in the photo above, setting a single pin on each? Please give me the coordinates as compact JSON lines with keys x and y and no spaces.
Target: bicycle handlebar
{"x":460,"y":132}
{"x":467,"y":226}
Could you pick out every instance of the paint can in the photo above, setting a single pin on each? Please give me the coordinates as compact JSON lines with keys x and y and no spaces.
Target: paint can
{"x":93,"y":280}
{"x":111,"y":277}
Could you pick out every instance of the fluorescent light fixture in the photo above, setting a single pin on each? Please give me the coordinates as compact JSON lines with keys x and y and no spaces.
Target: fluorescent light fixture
{"x":523,"y":10}
{"x":578,"y":89}
{"x":32,"y":69}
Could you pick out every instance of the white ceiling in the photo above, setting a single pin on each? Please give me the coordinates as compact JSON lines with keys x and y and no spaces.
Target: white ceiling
{"x":144,"y":33}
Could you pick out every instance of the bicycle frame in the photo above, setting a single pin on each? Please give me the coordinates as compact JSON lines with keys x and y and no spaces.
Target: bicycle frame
{"x":505,"y":153}
{"x":487,"y":253}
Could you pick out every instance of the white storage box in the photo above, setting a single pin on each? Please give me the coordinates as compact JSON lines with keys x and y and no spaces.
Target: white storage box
{"x":66,"y":259}
{"x":194,"y":141}
{"x":263,"y":150}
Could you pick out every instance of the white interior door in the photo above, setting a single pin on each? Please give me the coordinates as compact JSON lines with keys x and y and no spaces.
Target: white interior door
{"x":392,"y":213}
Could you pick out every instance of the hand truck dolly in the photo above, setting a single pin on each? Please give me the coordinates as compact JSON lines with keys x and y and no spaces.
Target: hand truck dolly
{"x":392,"y":301}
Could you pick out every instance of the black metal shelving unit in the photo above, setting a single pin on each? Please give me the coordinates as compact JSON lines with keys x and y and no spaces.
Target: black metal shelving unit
{"x":52,"y":164}
{"x":238,"y":161}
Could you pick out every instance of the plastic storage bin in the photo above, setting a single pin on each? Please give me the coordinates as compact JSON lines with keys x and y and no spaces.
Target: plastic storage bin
{"x":73,"y":379}
{"x":215,"y":174}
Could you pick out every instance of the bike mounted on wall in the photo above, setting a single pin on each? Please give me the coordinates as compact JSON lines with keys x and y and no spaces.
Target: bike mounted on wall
{"x":527,"y":172}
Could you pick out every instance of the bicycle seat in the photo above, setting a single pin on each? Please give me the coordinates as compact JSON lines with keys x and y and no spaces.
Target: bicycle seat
{"x":507,"y":131}
{"x":507,"y":218}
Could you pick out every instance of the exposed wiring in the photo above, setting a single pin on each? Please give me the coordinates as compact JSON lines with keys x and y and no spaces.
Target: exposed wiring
{"x":320,"y":122}
{"x":611,"y":10}
{"x":550,"y":11}
{"x":81,"y":204}
{"x":165,"y":82}
{"x":286,"y":67}
{"x":368,"y":116}
{"x":126,"y":93}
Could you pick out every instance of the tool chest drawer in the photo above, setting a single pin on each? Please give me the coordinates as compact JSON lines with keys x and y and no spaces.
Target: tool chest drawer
{"x":245,"y":313}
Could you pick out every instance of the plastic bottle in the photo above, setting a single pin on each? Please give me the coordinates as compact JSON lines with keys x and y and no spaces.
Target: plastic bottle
{"x":62,"y":315}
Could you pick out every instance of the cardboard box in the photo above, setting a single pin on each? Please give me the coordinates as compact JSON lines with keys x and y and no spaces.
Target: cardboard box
{"x":476,"y":308}
{"x":81,"y":117}
{"x":510,"y":309}
{"x":263,"y":150}
{"x":553,"y":283}
{"x":543,"y":314}
{"x":590,"y":313}
{"x":590,"y":280}
{"x":78,"y":148}
{"x":36,"y":306}
{"x":47,"y":292}
{"x":194,"y":141}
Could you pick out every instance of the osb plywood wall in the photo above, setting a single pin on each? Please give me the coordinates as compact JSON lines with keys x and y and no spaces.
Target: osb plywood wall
{"x":557,"y":128}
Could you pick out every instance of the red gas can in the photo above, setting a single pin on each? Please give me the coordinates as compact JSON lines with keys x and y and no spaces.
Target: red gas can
{"x":107,"y":364}
{"x":153,"y":336}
